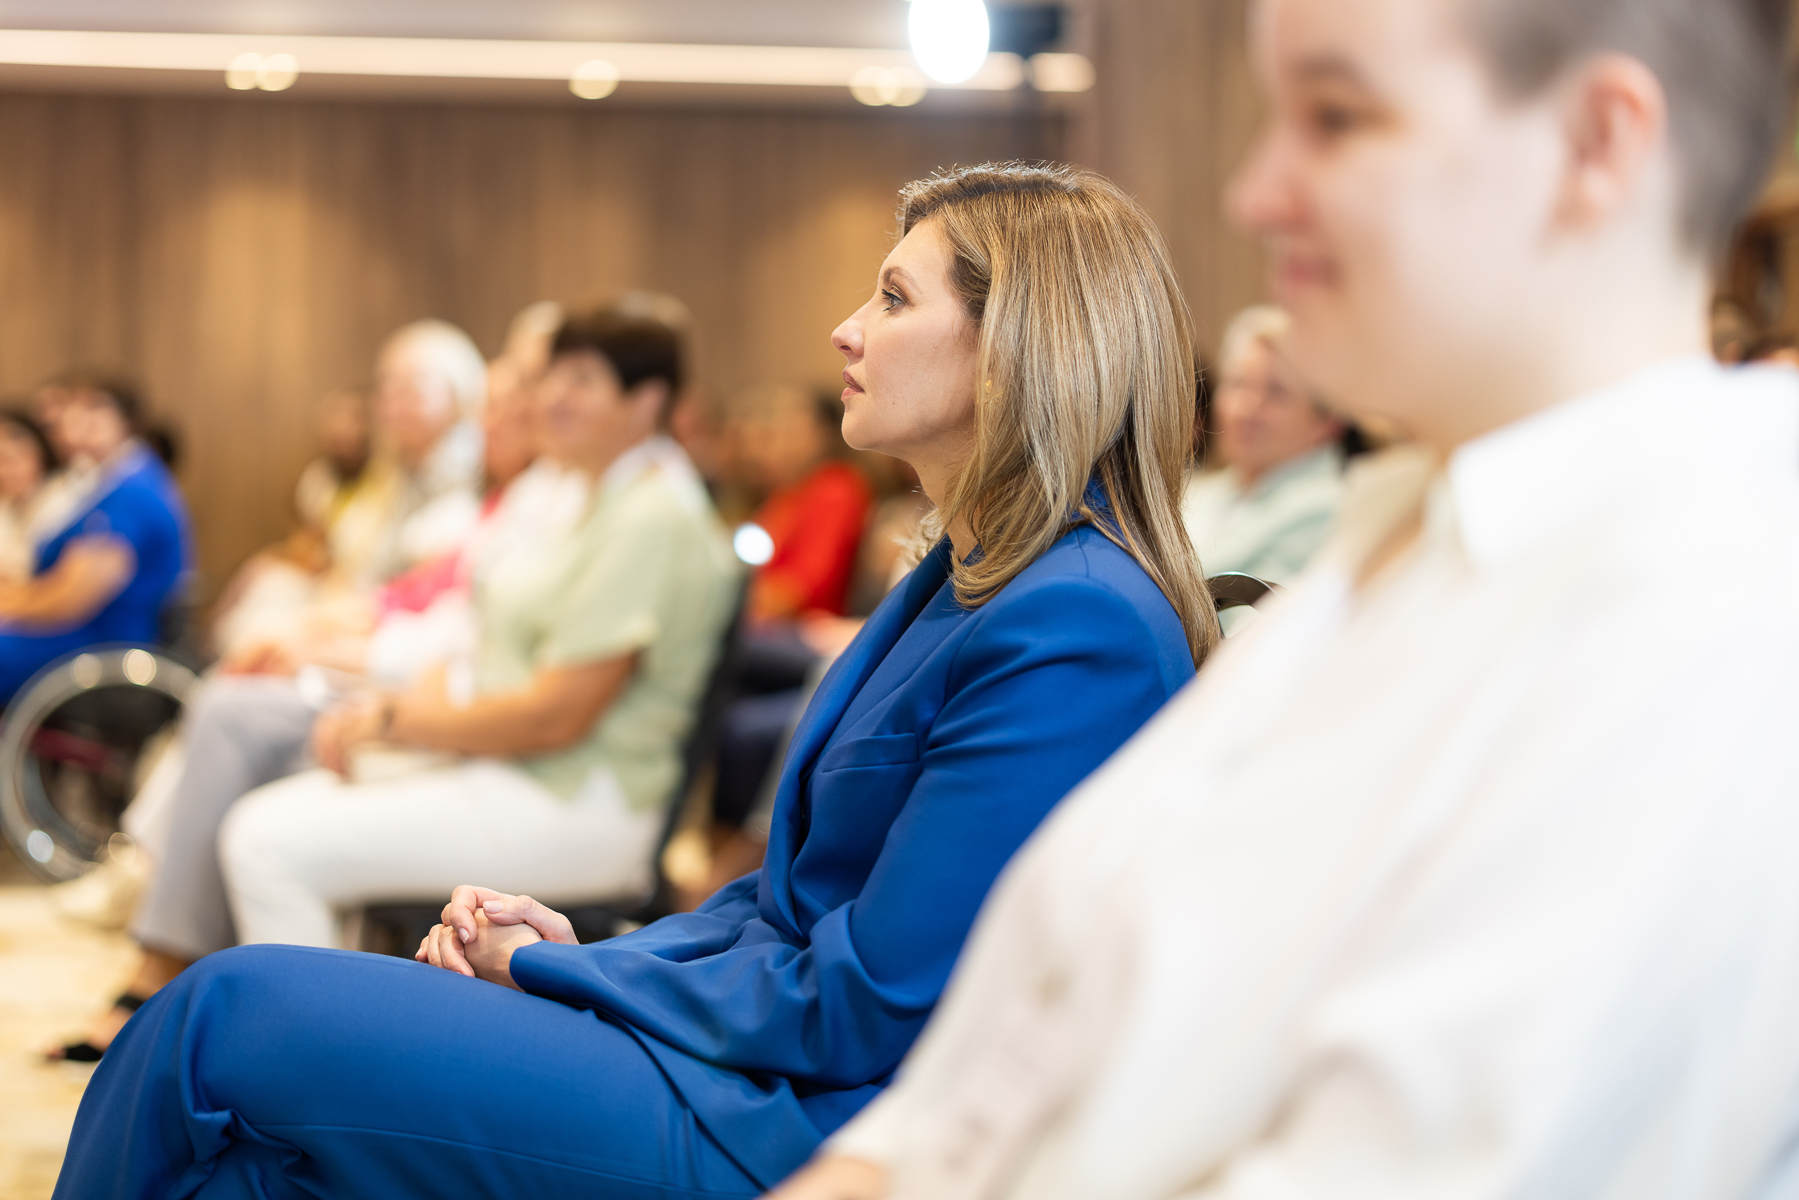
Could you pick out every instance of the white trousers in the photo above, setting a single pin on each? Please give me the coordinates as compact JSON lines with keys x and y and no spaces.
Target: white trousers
{"x":297,"y":852}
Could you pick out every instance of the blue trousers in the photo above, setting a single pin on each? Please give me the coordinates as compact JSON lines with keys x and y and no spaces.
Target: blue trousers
{"x":277,"y":1071}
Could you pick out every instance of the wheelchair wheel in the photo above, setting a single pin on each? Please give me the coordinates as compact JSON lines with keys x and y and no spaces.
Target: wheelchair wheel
{"x":70,"y":750}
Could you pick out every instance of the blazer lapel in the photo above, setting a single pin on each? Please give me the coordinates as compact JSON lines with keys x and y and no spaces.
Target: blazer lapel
{"x":835,"y":692}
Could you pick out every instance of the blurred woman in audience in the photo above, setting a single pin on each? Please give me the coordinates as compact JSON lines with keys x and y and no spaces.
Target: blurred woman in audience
{"x":593,"y":649}
{"x":330,"y":482}
{"x":816,"y":506}
{"x":730,"y":1041}
{"x":108,"y":572}
{"x":414,"y":501}
{"x":1267,"y":511}
{"x":249,"y":724}
{"x":27,"y":464}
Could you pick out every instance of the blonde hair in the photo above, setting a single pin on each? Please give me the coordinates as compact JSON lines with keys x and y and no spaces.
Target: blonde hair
{"x":1085,"y":363}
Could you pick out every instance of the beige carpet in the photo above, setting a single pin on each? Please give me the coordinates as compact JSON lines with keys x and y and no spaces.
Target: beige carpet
{"x":53,"y":974}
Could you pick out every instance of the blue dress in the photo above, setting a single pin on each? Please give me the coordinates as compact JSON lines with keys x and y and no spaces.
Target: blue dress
{"x":138,"y":503}
{"x":707,"y":1054}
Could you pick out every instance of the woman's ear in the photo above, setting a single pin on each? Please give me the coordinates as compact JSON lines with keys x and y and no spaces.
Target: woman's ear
{"x":1615,"y":115}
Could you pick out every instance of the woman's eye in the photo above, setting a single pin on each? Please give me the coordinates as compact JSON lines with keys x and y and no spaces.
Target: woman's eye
{"x":891,"y":300}
{"x":1335,"y":120}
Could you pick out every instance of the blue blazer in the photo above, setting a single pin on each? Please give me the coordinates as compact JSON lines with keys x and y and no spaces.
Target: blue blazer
{"x":931,"y":750}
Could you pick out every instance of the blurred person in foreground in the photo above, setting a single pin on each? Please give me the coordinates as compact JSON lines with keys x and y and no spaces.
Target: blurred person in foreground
{"x":1778,"y":349}
{"x":250,"y":723}
{"x":708,"y":1053}
{"x":414,"y":501}
{"x":1269,"y":508}
{"x":1469,"y":871}
{"x":109,"y":571}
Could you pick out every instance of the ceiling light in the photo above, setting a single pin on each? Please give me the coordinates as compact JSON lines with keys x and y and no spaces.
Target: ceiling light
{"x":877,"y":86}
{"x":594,"y":79}
{"x":949,"y":37}
{"x":278,"y":73}
{"x":275,"y":73}
{"x":470,"y":58}
{"x":1061,"y":72}
{"x":241,"y":74}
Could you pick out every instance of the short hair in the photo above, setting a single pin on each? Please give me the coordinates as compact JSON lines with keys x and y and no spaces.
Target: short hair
{"x":1722,"y":63}
{"x":452,"y":354}
{"x":639,"y":347}
{"x":125,"y":397}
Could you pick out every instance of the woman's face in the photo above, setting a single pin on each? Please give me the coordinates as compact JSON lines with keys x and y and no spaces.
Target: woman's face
{"x":21,"y":466}
{"x":414,"y":404}
{"x":508,"y":428}
{"x":1408,"y":209}
{"x":585,"y":418}
{"x":910,"y":356}
{"x":92,"y":427}
{"x":1265,"y":414}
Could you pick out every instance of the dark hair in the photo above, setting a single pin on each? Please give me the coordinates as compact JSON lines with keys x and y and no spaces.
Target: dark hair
{"x":124,"y":396}
{"x":1722,"y":64}
{"x":26,"y":424}
{"x":164,"y":442}
{"x":639,"y":348}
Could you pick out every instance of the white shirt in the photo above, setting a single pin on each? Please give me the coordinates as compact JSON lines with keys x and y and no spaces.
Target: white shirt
{"x":1481,"y":882}
{"x":1270,"y":529}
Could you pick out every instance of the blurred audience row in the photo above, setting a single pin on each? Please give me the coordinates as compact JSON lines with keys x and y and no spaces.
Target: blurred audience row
{"x":513,"y":587}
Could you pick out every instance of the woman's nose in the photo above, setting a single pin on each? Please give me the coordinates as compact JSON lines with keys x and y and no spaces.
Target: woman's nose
{"x":847,"y":337}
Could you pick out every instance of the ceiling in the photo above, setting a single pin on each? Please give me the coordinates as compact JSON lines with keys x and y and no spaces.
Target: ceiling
{"x":870,"y":23}
{"x":860,"y":24}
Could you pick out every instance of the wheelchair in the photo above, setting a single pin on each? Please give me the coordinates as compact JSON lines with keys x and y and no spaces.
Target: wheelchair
{"x":74,"y":747}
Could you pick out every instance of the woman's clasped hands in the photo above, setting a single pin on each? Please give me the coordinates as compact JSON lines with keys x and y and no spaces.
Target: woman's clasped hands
{"x":481,"y":929}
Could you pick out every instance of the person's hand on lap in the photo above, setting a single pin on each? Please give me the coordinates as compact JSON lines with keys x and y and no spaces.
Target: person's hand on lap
{"x":338,"y":731}
{"x":481,"y":928}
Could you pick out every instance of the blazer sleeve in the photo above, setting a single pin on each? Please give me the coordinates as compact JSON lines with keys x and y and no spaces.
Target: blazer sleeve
{"x":1046,"y":686}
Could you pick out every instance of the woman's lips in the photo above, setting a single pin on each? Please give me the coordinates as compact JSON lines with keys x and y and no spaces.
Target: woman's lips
{"x":851,"y":388}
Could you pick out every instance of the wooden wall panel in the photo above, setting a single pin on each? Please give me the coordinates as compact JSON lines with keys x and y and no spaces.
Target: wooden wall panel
{"x":1173,"y":116}
{"x":243,"y":257}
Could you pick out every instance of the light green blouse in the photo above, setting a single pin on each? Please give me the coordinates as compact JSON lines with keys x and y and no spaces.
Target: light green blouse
{"x":647,"y":568}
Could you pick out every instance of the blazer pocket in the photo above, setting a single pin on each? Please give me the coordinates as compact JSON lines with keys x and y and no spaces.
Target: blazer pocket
{"x":881,"y":750}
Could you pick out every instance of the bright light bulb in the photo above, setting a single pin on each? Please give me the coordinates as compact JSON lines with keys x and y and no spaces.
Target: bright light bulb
{"x":594,"y":80}
{"x":877,"y":86}
{"x":278,"y":73}
{"x":240,"y":76}
{"x":949,"y":37}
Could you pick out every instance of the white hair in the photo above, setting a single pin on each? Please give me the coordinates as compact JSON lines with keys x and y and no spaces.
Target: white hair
{"x":449,"y":352}
{"x":657,"y":306}
{"x":1264,"y":323}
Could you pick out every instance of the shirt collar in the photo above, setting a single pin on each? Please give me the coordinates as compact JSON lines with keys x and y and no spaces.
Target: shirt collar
{"x":1515,"y":488}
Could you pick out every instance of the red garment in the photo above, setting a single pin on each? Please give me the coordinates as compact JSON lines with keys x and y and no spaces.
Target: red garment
{"x":418,"y":588}
{"x":816,"y":526}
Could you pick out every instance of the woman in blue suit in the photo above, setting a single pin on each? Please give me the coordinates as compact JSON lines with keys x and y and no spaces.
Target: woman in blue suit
{"x":107,"y":573}
{"x":1027,"y":351}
